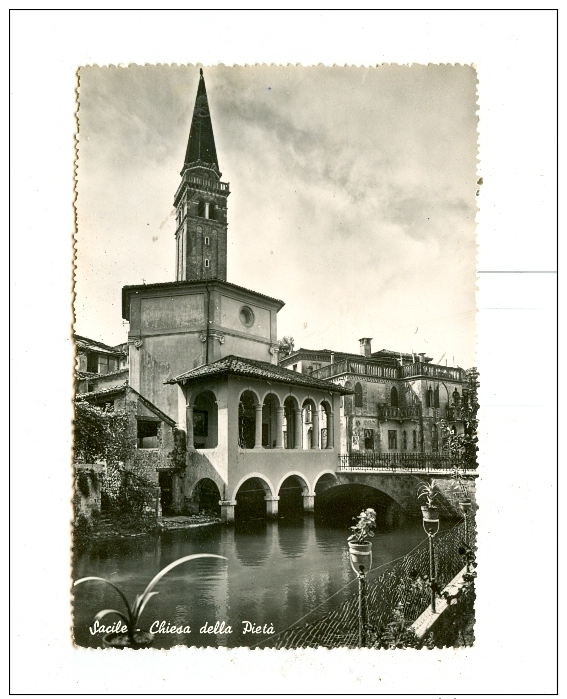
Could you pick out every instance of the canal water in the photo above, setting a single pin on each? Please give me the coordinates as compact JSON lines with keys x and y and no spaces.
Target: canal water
{"x":276,"y":573}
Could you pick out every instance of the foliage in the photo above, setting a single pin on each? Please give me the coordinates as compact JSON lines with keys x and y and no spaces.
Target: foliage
{"x":429,"y":491}
{"x":84,"y":483}
{"x":132,"y":613}
{"x":128,"y":499}
{"x":101,"y":434}
{"x":179,"y":453}
{"x":397,"y":633}
{"x":362,"y":530}
{"x":463,"y":447}
{"x":286,"y":345}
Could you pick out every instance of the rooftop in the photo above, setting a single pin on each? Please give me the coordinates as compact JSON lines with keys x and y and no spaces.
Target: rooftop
{"x":93,"y":396}
{"x":86,"y":343}
{"x":258,"y":370}
{"x":136,"y":288}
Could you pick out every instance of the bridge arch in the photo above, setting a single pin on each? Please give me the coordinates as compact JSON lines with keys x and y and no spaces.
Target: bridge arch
{"x":324,"y":481}
{"x":292,"y":489}
{"x":206,"y":495}
{"x":338,"y":504}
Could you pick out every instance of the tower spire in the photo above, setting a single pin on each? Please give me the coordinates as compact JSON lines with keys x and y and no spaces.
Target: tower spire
{"x":201,"y":145}
{"x":200,"y":202}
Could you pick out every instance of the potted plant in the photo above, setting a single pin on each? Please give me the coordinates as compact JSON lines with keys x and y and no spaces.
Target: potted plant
{"x":430,"y":492}
{"x":128,"y":634}
{"x":359,"y":544}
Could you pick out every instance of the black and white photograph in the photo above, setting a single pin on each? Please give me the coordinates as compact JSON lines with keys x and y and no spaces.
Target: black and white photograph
{"x":276,"y":390}
{"x":285,"y":274}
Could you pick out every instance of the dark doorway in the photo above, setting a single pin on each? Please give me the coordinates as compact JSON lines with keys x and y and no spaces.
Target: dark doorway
{"x":166,"y":493}
{"x":208,"y":496}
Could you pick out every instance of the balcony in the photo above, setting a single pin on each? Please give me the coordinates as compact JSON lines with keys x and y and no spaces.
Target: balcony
{"x":388,"y":412}
{"x":356,"y":366}
{"x":432,"y":371}
{"x":369,"y":367}
{"x":454,"y":413}
{"x":399,"y":462}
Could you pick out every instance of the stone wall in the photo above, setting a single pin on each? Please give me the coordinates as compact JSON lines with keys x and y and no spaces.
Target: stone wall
{"x":88,"y":479}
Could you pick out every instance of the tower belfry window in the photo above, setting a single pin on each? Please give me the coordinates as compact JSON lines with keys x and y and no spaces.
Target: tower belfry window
{"x":206,"y":240}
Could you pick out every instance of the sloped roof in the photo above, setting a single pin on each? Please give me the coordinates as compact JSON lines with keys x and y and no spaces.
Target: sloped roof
{"x":93,"y":396}
{"x":201,"y":145}
{"x":258,"y":370}
{"x":87,"y":344}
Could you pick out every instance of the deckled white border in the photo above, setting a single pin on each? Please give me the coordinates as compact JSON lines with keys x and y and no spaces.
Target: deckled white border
{"x":514,"y":53}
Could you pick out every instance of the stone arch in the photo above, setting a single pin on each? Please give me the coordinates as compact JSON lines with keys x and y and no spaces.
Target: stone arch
{"x":324,"y":481}
{"x":205,"y":419}
{"x":206,"y":496}
{"x":251,"y":496}
{"x":341,"y":503}
{"x":310,"y":422}
{"x":267,"y":485}
{"x":327,"y":437}
{"x":293,"y":492}
{"x":248,"y":404}
{"x":272,"y":422}
{"x":292,"y":423}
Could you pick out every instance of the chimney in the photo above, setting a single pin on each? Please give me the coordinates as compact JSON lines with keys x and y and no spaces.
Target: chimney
{"x":365,"y":346}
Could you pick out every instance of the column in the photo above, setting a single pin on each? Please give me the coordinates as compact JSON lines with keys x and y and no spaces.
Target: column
{"x":298,"y":431}
{"x":271,"y":506}
{"x":189,"y":428}
{"x":181,"y":409}
{"x":258,"y":437}
{"x":227,"y":511}
{"x":315,"y":436}
{"x":279,"y":428}
{"x":330,"y":430}
{"x":309,"y":503}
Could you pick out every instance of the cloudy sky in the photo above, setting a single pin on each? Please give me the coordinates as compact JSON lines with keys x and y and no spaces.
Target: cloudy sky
{"x":352,"y":196}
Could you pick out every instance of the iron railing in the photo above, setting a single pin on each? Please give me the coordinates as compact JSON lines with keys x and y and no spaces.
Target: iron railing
{"x":370,"y":367}
{"x":389,"y":412}
{"x":399,"y":461}
{"x":386,"y":592}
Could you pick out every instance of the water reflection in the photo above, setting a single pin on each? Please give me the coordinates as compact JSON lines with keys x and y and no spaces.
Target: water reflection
{"x":276,"y":573}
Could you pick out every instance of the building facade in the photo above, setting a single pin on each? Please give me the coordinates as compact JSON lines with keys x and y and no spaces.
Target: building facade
{"x":397,"y":402}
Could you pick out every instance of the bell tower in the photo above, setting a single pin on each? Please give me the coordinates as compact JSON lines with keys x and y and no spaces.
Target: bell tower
{"x":201,"y":202}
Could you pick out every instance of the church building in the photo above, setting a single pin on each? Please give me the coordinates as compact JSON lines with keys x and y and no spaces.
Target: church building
{"x":204,"y":350}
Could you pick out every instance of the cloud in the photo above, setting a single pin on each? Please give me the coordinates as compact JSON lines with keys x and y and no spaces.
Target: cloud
{"x":352,"y":193}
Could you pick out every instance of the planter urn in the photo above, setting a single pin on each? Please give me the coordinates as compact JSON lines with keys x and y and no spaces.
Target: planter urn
{"x":465,"y":505}
{"x":142,"y":639}
{"x":430,"y":516}
{"x":360,"y":555}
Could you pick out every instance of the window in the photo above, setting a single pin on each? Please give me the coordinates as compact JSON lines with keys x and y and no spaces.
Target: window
{"x":429,"y":398}
{"x":90,"y":387}
{"x":92,"y":363}
{"x":147,"y":434}
{"x":415,"y":439}
{"x":246,"y":316}
{"x":103,"y":364}
{"x":200,"y":423}
{"x":295,"y":367}
{"x":112,"y":364}
{"x":212,"y":211}
{"x":434,"y":438}
{"x":456,"y":398}
{"x":369,"y":440}
{"x":394,"y":397}
{"x":357,"y":395}
{"x":206,"y":240}
{"x":392,"y":439}
{"x":207,"y":263}
{"x":436,"y":397}
{"x":404,"y":441}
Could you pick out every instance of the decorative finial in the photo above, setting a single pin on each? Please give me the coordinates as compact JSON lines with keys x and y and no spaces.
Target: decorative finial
{"x":200,"y":71}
